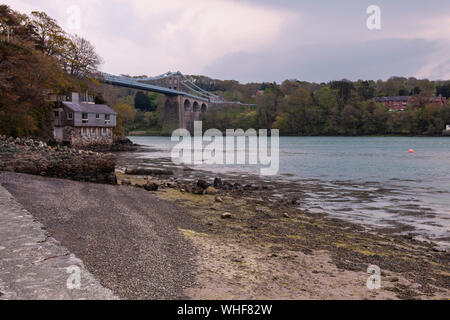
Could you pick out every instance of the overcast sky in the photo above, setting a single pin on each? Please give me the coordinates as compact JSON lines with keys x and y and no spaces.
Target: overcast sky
{"x":262,"y":40}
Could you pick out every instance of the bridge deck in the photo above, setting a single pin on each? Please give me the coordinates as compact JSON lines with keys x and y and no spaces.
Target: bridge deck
{"x":134,"y":84}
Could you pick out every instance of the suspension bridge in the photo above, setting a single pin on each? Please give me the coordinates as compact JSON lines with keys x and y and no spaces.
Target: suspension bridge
{"x":186,"y":101}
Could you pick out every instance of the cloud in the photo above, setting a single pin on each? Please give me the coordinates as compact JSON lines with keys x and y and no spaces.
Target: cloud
{"x":255,"y":40}
{"x":156,"y":36}
{"x":377,"y":59}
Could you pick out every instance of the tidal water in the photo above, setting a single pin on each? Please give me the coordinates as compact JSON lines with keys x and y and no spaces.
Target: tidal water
{"x":373,"y":181}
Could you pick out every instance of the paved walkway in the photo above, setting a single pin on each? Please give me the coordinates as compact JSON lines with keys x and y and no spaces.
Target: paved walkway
{"x":34,"y":265}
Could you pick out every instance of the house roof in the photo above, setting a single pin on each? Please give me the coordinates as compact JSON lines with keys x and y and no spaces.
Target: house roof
{"x":88,"y":108}
{"x":398,"y":98}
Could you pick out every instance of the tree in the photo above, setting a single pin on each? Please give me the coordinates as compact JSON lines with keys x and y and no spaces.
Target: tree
{"x":443,"y":90}
{"x":80,"y":58}
{"x":142,"y":101}
{"x":48,"y":35}
{"x":351,"y":119}
{"x":267,"y":104}
{"x":366,"y":90}
{"x":25,"y":74}
{"x":13,"y":26}
{"x":125,"y":112}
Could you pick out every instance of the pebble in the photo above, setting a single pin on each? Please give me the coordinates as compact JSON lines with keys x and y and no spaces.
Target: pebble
{"x":226,"y":215}
{"x":126,"y":182}
{"x":211,"y":190}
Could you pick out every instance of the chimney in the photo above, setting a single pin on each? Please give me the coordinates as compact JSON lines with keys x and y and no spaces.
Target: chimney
{"x":75,"y":97}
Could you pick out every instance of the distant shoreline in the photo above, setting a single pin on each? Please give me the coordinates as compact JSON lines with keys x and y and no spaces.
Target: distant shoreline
{"x":147,"y":134}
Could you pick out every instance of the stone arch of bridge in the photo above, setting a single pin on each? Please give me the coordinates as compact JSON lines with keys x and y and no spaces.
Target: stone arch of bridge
{"x":196,"y":106}
{"x":187,"y":105}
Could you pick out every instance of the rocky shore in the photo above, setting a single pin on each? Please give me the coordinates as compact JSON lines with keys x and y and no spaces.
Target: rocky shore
{"x":119,"y":144}
{"x":252,"y":239}
{"x":35,"y":157}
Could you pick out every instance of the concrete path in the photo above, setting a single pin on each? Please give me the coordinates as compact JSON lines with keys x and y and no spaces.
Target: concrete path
{"x":33,"y":265}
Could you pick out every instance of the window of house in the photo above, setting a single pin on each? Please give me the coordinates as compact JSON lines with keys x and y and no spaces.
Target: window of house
{"x":70,"y":115}
{"x":84,"y":118}
{"x":92,"y":131}
{"x":56,"y":113}
{"x":84,"y":132}
{"x":107,"y":119}
{"x":104,"y":132}
{"x":97,"y":116}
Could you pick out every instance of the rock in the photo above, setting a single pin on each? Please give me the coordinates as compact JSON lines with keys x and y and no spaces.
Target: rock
{"x":260,"y":201}
{"x":203,"y":184}
{"x":394,"y":279}
{"x":198,"y":190}
{"x":112,"y":179}
{"x":122,"y":144}
{"x":218,"y":183}
{"x":147,"y":171}
{"x":151,"y":187}
{"x":218,"y":199}
{"x":36,"y":157}
{"x":211,"y":190}
{"x":286,"y":215}
{"x":126,"y":182}
{"x":226,"y":215}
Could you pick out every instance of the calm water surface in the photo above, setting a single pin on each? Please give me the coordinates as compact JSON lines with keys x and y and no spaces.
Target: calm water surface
{"x":374,"y":181}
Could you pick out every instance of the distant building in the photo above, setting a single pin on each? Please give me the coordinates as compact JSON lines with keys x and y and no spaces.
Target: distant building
{"x":82,"y":123}
{"x":401,"y":103}
{"x":395,"y":103}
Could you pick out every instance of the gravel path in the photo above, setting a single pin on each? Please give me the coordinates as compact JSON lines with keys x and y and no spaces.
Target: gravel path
{"x":126,"y":237}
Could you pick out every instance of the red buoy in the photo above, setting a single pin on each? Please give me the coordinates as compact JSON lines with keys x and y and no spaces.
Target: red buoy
{"x":411,"y":150}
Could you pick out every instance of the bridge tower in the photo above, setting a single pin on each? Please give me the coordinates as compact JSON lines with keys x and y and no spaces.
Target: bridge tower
{"x":181,"y":111}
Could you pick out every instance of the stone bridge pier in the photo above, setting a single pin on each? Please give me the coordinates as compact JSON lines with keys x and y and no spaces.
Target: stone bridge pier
{"x":181,"y":112}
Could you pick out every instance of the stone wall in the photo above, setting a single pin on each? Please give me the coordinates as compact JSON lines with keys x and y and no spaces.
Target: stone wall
{"x":76,"y":139}
{"x":36,"y":157}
